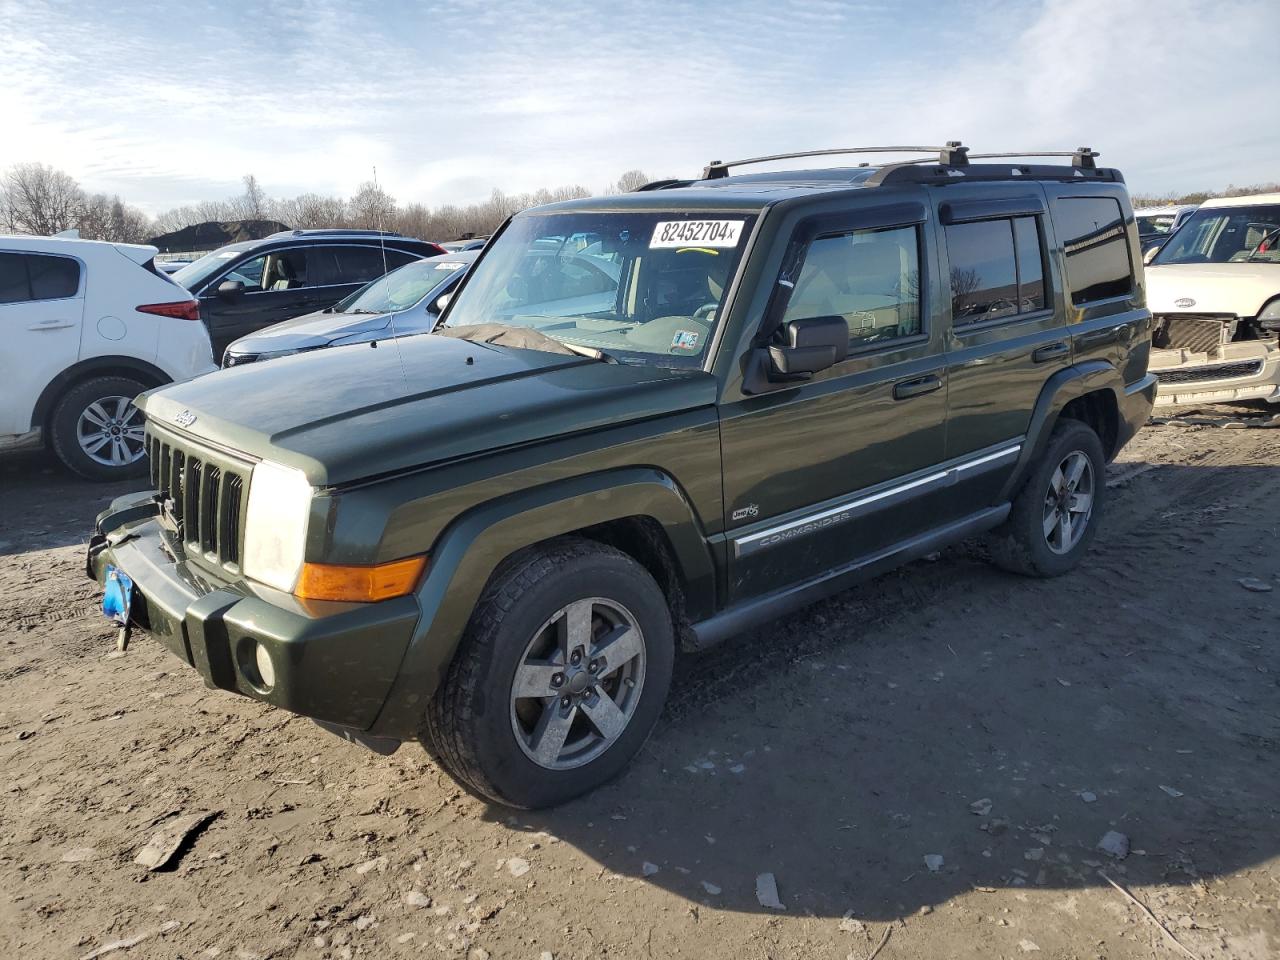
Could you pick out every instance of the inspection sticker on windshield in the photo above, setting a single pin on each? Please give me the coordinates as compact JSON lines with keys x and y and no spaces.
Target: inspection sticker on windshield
{"x":696,"y":233}
{"x":684,"y":340}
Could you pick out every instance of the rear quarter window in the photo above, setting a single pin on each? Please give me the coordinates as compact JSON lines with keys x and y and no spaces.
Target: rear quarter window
{"x":53,"y":278}
{"x":1096,"y":246}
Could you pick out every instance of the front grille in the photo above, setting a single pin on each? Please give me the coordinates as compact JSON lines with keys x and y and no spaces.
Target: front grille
{"x":1210,"y":371}
{"x":206,"y":493}
{"x":1198,"y":333}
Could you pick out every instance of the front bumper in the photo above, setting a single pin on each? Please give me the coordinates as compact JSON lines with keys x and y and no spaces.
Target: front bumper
{"x":1244,"y":370}
{"x":333,"y":662}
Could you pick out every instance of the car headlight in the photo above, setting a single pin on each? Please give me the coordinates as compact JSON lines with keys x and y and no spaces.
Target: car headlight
{"x":275,"y":528}
{"x":1269,"y":318}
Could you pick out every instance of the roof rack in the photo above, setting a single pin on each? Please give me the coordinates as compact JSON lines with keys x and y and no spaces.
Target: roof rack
{"x":953,"y":154}
{"x":334,"y":231}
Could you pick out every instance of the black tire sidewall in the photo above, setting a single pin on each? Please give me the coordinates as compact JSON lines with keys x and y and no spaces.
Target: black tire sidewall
{"x":66,"y":416}
{"x":603,"y":573}
{"x":1069,"y":436}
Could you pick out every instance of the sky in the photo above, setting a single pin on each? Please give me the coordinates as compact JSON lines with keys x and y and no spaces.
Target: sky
{"x":171,"y":104}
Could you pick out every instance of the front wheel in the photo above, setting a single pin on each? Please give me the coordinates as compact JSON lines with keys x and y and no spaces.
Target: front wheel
{"x":559,"y":679}
{"x":1055,"y":515}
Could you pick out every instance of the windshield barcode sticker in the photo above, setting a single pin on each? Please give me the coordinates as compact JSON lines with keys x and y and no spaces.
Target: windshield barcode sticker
{"x":696,"y":233}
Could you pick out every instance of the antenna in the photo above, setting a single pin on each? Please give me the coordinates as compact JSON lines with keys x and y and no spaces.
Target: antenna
{"x":382,"y":245}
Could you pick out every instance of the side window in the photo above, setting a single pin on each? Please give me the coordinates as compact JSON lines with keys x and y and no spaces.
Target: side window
{"x":279,"y":270}
{"x":1096,"y":247}
{"x":53,"y":278}
{"x":870,"y":278}
{"x":1030,"y":249}
{"x":360,"y":264}
{"x":398,"y":258}
{"x":997,"y":269}
{"x":14,"y":287}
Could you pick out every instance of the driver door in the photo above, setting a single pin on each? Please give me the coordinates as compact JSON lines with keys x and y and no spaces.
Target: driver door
{"x":820,"y":473}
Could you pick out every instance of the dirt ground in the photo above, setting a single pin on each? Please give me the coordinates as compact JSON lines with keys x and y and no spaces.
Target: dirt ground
{"x":836,"y":750}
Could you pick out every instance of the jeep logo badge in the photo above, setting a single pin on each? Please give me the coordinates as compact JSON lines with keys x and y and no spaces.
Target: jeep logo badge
{"x":1184,"y":302}
{"x":185,"y":419}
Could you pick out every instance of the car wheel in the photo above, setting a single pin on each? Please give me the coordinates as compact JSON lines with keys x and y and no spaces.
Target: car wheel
{"x":1056,"y":513}
{"x":559,"y":679}
{"x":97,"y":432}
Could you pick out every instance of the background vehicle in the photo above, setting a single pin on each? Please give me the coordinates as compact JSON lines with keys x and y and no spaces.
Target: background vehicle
{"x":1214,"y":289}
{"x":404,"y":302}
{"x":493,"y":538}
{"x":244,"y":287}
{"x":1157,"y":224}
{"x":87,"y":326}
{"x":471,"y":243}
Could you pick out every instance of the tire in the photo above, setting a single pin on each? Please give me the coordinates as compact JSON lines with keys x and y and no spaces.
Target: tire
{"x":1033,"y":541}
{"x":91,"y":411}
{"x":488,"y":738}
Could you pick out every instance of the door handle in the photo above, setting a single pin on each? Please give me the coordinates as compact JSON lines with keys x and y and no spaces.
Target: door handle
{"x":51,"y":325}
{"x":1050,"y":351}
{"x":914,"y":388}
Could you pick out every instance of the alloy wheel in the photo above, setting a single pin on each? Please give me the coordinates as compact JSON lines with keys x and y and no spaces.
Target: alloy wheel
{"x":577,"y":684}
{"x":1068,"y":503}
{"x":110,"y":432}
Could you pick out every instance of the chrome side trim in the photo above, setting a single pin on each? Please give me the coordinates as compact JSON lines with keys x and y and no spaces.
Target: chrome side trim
{"x":859,"y":506}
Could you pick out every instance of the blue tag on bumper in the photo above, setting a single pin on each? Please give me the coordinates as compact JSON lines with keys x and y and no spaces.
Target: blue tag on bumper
{"x":118,"y":597}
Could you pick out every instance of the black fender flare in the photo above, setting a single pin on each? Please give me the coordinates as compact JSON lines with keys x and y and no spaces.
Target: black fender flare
{"x":473,"y":546}
{"x":1060,"y":389}
{"x":103,"y":366}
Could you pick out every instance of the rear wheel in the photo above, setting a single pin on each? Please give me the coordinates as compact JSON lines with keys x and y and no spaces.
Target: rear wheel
{"x":1055,"y":515}
{"x":97,"y":432}
{"x":559,"y":679}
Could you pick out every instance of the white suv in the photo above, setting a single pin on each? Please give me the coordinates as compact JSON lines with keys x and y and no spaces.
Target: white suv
{"x":1214,"y":292}
{"x":85,"y":327}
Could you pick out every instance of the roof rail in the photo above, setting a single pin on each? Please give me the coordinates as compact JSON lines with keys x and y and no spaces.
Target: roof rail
{"x":663,"y":185}
{"x":952,"y":154}
{"x":332,"y":231}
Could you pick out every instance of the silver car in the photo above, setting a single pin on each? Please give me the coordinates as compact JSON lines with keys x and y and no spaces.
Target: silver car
{"x":406,"y":301}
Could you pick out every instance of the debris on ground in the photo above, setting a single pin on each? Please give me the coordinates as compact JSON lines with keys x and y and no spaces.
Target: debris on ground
{"x":167,"y":927}
{"x":517,"y":866}
{"x":648,"y":869}
{"x":767,"y":892}
{"x":174,"y":837}
{"x":711,"y":888}
{"x":1254,"y":584}
{"x":1114,"y":843}
{"x":933,"y":861}
{"x":981,"y":807}
{"x":416,"y":898}
{"x":1172,"y":791}
{"x":1088,"y":796}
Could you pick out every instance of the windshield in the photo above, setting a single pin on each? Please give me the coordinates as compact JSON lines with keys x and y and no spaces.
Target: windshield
{"x":1223,"y":235}
{"x":197,"y":272}
{"x":400,"y":289}
{"x":642,"y":287}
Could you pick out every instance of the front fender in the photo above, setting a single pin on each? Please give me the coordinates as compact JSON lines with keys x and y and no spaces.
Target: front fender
{"x":472,"y":546}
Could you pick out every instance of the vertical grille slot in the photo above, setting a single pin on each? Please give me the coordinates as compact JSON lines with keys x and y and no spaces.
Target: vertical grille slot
{"x":209,"y":502}
{"x":191,"y":494}
{"x":230,"y":535}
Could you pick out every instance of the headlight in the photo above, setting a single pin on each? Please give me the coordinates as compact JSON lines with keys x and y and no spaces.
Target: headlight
{"x":1269,"y":318}
{"x":275,"y":528}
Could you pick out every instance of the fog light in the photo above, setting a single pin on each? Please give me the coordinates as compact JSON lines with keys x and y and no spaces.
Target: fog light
{"x":266,"y":669}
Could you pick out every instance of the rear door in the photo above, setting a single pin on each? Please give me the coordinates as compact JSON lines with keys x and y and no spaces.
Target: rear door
{"x":820,"y":473}
{"x":341,"y":270}
{"x":276,"y":288}
{"x":1007,"y":333}
{"x":41,"y":310}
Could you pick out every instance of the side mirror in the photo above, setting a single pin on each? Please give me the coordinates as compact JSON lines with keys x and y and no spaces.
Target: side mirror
{"x":809,"y":345}
{"x":230,"y":289}
{"x":1152,"y":251}
{"x":439,"y":303}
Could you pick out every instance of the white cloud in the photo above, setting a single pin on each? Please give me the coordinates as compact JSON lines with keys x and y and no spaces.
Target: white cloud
{"x":451,"y":99}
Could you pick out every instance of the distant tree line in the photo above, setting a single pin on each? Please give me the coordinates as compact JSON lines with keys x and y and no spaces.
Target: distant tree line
{"x":1141,"y":200}
{"x":38,"y":199}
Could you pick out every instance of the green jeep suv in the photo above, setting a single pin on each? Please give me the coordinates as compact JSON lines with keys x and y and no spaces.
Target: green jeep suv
{"x":644,"y":424}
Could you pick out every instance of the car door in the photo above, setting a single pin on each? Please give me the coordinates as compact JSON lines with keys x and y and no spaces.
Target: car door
{"x":41,"y":310}
{"x":1007,"y":332}
{"x":823,"y":472}
{"x":275,"y":287}
{"x":340,"y":270}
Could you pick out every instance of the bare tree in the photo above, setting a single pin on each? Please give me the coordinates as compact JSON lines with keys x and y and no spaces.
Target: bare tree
{"x":41,"y":200}
{"x":629,"y":181}
{"x":372,"y":208}
{"x":252,"y":204}
{"x":311,"y":211}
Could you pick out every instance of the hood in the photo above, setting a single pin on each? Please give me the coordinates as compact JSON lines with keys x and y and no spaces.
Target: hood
{"x":1238,"y":288}
{"x":344,"y":415}
{"x":312,"y":330}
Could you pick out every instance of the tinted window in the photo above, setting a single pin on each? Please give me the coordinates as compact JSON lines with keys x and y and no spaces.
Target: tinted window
{"x":997,"y":269}
{"x":53,"y":278}
{"x":1096,"y":246}
{"x":13,"y":278}
{"x":871,"y":278}
{"x":281,"y":270}
{"x":361,"y":264}
{"x":1026,"y":236}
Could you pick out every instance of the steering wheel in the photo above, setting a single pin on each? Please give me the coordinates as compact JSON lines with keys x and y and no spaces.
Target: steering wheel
{"x":705,"y":311}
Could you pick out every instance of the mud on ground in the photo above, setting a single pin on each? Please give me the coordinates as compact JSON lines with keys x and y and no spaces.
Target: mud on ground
{"x":835,"y":750}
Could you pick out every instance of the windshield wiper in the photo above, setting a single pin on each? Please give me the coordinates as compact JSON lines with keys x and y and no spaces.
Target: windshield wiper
{"x":594,"y":353}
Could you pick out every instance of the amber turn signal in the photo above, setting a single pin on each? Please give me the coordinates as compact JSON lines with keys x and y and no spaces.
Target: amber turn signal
{"x":365,"y":584}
